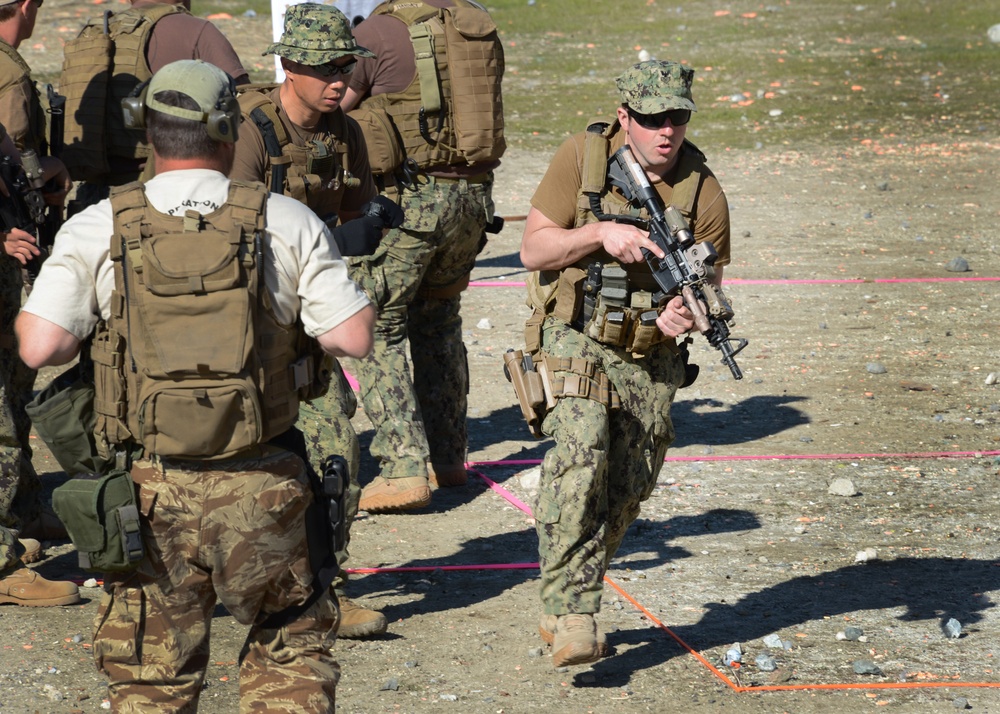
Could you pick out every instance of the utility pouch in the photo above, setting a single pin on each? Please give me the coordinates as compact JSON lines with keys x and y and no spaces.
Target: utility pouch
{"x":101,"y":516}
{"x":63,"y":415}
{"x":528,"y":387}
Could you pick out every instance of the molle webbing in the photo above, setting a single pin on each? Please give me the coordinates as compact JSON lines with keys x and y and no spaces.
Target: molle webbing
{"x":577,"y":377}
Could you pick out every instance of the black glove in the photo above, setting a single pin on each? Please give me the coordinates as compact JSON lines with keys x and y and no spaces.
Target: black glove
{"x":362,"y":235}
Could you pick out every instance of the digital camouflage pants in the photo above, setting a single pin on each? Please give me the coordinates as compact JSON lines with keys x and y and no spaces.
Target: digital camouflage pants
{"x":20,"y":489}
{"x":602,"y":465}
{"x":326,"y":425}
{"x":414,"y":280}
{"x":234,"y":532}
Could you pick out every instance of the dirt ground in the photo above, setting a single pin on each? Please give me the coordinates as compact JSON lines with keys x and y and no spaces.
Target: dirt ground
{"x":870,"y":359}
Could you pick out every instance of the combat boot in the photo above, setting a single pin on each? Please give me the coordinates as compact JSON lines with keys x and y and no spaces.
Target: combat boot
{"x":395,"y":494}
{"x":447,"y":475}
{"x":32,"y":550}
{"x":547,"y":629}
{"x":358,"y":622}
{"x":575,"y":640}
{"x":23,"y":586}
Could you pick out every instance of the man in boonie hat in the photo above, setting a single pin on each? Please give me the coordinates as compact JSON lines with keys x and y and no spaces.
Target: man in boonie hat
{"x":298,"y":141}
{"x":608,"y":441}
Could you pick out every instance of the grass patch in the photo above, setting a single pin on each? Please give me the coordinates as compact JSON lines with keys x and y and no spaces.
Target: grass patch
{"x":766,"y":75}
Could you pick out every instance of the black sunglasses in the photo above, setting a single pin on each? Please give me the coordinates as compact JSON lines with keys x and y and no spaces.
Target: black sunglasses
{"x":332,"y":70}
{"x":677,"y":117}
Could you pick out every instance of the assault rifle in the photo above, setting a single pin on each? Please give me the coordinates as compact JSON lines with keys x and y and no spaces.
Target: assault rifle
{"x":26,"y":207}
{"x":686,"y":268}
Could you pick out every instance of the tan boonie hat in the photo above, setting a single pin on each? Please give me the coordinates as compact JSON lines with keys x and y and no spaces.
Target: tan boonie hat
{"x":656,"y":86}
{"x":316,"y":34}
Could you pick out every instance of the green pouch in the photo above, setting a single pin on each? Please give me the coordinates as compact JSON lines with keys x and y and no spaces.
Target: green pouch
{"x":63,"y":415}
{"x":102,"y":518}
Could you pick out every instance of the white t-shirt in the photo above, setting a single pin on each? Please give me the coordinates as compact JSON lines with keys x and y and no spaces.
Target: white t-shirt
{"x":304,"y":272}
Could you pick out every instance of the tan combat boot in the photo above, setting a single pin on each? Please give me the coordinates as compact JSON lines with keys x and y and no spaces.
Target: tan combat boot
{"x":447,"y":475}
{"x":395,"y":494}
{"x":32,"y":550}
{"x":575,"y":640}
{"x":357,"y":622}
{"x":23,"y":586}
{"x":547,"y":629}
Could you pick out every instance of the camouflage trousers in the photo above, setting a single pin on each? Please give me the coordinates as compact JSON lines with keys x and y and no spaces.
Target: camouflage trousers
{"x":602,"y":465}
{"x":20,"y":489}
{"x":326,"y":425}
{"x":415,"y":279}
{"x":229,"y":531}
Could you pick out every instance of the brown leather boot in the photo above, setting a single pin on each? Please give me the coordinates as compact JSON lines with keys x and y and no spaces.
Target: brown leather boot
{"x":358,"y":622}
{"x":575,"y":641}
{"x":446,"y":475}
{"x":23,"y":586}
{"x":547,"y":629}
{"x":395,"y":494}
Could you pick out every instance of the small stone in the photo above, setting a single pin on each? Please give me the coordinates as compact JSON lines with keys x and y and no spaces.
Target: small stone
{"x":994,"y":33}
{"x":991,"y":378}
{"x":865,"y":666}
{"x":535,"y":652}
{"x":90,"y":583}
{"x":530,"y":479}
{"x":875,"y":368}
{"x":957,"y":265}
{"x":853,"y":634}
{"x":775,"y":113}
{"x":391,"y":685}
{"x":77,"y":639}
{"x":765,"y":663}
{"x":449,"y":697}
{"x":733,"y":656}
{"x":953,"y":629}
{"x":961,"y":702}
{"x":644,"y":55}
{"x":843,"y":487}
{"x":410,"y":665}
{"x":484,"y":324}
{"x":773,"y":641}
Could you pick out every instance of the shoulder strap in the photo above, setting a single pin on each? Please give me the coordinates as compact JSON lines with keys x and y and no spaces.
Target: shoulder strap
{"x":259,"y":108}
{"x":15,"y":56}
{"x":688,"y":179}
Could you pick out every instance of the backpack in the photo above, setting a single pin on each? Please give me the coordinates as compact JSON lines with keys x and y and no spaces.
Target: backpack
{"x":102,"y":66}
{"x":452,"y":112}
{"x":192,"y":362}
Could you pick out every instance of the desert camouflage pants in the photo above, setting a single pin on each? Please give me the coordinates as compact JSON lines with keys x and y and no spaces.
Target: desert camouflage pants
{"x":232,"y":532}
{"x":20,"y":489}
{"x":421,"y":419}
{"x":326,"y":425}
{"x":602,"y":465}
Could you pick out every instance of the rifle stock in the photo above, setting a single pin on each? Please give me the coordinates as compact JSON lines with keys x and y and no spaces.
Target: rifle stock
{"x":686,"y":269}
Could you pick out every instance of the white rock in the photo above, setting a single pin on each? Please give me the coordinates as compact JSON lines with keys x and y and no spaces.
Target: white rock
{"x":866,"y":555}
{"x":775,"y":113}
{"x":484,"y":324}
{"x":991,"y":378}
{"x":994,"y":33}
{"x":531,"y":478}
{"x":644,"y":55}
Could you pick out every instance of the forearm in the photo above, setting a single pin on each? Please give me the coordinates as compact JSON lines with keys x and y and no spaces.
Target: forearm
{"x":42,"y":343}
{"x":546,"y":246}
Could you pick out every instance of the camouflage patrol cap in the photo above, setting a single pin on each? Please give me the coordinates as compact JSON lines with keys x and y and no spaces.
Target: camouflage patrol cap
{"x":316,"y":34}
{"x":656,"y":86}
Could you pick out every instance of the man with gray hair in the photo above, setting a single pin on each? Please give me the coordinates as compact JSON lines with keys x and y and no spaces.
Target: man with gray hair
{"x":612,"y":427}
{"x":198,"y":375}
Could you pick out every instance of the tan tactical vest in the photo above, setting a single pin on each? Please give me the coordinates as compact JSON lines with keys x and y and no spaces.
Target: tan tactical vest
{"x":192,"y":362}
{"x":316,"y":175}
{"x":452,"y":112}
{"x":559,"y":292}
{"x":37,"y":133}
{"x":102,"y":66}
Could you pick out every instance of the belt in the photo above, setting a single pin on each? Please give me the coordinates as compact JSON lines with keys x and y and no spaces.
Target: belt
{"x":478,"y":178}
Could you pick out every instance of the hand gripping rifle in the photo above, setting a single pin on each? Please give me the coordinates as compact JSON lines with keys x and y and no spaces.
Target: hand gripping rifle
{"x":686,"y":267}
{"x":26,"y":208}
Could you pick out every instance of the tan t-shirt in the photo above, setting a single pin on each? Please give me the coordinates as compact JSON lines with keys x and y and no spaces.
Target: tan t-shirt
{"x":557,"y":194}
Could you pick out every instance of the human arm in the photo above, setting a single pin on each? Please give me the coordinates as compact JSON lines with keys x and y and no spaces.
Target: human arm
{"x":20,"y":245}
{"x":353,"y":337}
{"x":42,"y":343}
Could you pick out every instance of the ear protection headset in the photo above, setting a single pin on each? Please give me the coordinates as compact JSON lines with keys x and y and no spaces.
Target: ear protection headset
{"x":221,"y":122}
